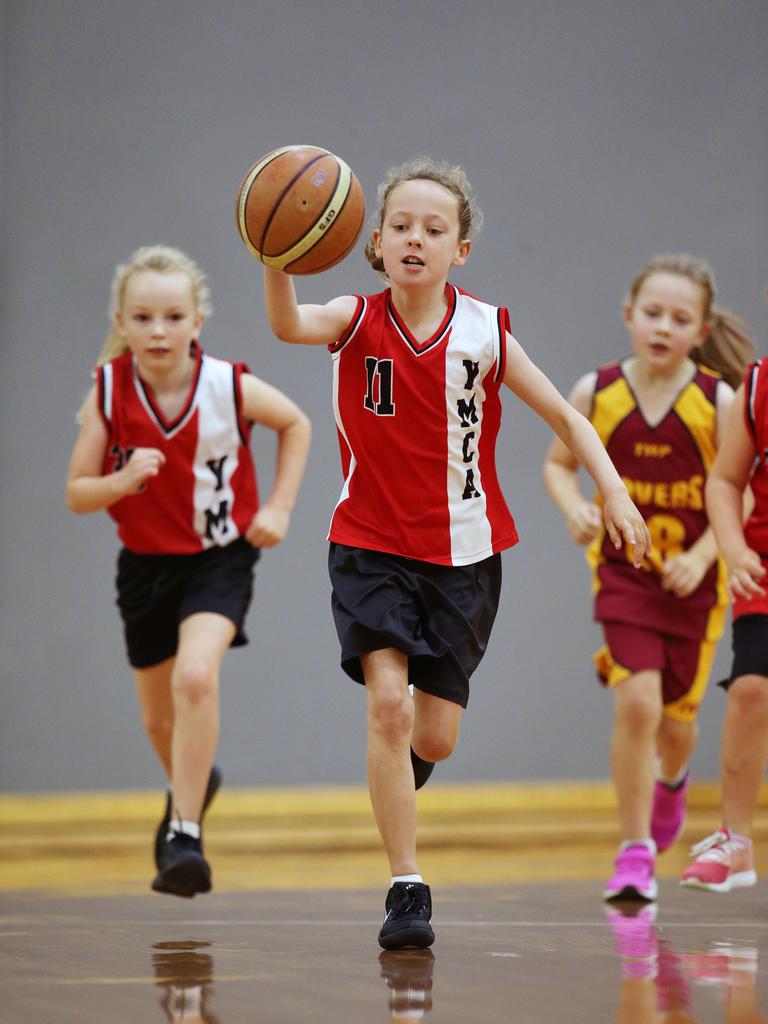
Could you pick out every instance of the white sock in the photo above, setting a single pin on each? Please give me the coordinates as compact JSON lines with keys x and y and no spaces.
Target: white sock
{"x":639,"y":842}
{"x":188,"y":828}
{"x":405,"y":878}
{"x":675,"y":780}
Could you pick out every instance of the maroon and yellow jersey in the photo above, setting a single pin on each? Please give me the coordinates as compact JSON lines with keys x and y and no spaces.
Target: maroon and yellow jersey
{"x":664,"y":467}
{"x":205,"y":493}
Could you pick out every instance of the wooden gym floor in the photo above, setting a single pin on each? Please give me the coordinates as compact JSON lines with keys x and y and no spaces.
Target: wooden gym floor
{"x":289,"y":933}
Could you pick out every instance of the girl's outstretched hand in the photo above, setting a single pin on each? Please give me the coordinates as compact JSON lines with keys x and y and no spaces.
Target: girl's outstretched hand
{"x":745,"y":574}
{"x":623,"y":521}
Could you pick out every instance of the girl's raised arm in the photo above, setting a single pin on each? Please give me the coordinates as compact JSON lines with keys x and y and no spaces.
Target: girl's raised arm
{"x":264,"y":404}
{"x":303,"y":324}
{"x":621,"y":517}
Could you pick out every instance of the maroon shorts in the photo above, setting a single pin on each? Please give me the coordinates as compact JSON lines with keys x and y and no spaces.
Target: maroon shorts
{"x":684,"y":664}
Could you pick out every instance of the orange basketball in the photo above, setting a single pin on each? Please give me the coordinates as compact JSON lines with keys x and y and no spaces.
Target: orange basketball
{"x":300,"y":209}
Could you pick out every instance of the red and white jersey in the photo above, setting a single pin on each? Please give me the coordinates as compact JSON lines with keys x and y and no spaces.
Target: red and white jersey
{"x":205,"y":494}
{"x":417,"y":425}
{"x":756,"y":527}
{"x":756,"y":415}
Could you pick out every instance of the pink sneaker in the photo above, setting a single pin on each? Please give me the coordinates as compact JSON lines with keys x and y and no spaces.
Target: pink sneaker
{"x":632,"y":878}
{"x":668,"y":814}
{"x":723,"y":862}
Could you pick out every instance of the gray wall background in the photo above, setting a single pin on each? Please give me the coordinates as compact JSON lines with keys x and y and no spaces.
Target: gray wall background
{"x":596,"y":134}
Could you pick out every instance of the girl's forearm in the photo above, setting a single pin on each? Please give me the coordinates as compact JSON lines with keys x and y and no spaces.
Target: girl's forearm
{"x":587,"y":447}
{"x":91,"y":493}
{"x":281,"y":305}
{"x":292,"y":450}
{"x":562,"y":484}
{"x":725,"y":508}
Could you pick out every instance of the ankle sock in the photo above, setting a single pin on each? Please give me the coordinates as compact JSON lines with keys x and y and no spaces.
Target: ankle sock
{"x":405,"y":878}
{"x":674,"y":782}
{"x":187,"y":828}
{"x":649,"y":843}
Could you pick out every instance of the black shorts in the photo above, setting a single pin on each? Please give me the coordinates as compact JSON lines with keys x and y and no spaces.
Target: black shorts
{"x":155,"y":593}
{"x":749,"y":641}
{"x":440,"y":616}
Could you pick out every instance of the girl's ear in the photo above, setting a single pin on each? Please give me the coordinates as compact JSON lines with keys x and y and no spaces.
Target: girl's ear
{"x":627,"y":313}
{"x":462,"y":253}
{"x":119,"y":323}
{"x":376,"y":239}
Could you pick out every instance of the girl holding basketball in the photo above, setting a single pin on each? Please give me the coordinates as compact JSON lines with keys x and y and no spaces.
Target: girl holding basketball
{"x":415,"y":537}
{"x":660,"y":414}
{"x":164,"y":449}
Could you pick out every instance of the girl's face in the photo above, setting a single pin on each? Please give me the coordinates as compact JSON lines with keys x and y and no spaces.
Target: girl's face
{"x":159,"y":319}
{"x":666,"y":319}
{"x":419,"y":237}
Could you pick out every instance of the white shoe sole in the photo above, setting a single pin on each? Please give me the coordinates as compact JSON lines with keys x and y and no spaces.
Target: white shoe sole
{"x":740,"y":880}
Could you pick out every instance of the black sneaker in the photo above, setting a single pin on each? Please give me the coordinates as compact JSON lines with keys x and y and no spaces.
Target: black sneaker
{"x":406,"y":926}
{"x":184,"y":870}
{"x":408,"y":974}
{"x":214,"y":781}
{"x":421,"y":769}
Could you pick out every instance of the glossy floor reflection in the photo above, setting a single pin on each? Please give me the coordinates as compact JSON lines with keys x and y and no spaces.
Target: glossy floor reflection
{"x":534,"y":954}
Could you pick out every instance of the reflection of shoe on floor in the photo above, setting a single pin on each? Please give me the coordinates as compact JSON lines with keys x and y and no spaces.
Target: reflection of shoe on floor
{"x":406,"y":925}
{"x":673,"y":990}
{"x":421,"y":769}
{"x":632,"y":878}
{"x":723,"y":862}
{"x":668,"y":814}
{"x":723,"y":963}
{"x":184,"y":871}
{"x":185,"y":976}
{"x":214,"y":782}
{"x":409,"y":977}
{"x":637,"y":944}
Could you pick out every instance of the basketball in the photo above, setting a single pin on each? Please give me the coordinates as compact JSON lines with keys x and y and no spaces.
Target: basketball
{"x":300,"y":209}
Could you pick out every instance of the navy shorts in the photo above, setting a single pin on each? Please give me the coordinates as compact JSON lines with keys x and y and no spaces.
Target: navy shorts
{"x":155,"y":593}
{"x":439,"y":616}
{"x":749,"y":641}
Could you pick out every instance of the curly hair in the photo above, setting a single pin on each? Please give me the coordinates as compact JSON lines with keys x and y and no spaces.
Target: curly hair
{"x":424,"y":168}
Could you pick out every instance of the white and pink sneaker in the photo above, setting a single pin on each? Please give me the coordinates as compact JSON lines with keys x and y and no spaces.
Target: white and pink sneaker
{"x":723,"y":862}
{"x":632,"y":878}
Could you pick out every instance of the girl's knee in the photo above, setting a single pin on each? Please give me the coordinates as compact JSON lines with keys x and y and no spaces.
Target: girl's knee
{"x":194,"y":681}
{"x":639,"y":710}
{"x":391,"y":713}
{"x":748,"y":695}
{"x":434,"y":747}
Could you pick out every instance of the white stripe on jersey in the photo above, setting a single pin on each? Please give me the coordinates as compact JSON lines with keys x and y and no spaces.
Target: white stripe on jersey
{"x":336,"y":363}
{"x":106,"y":392}
{"x":217,"y":443}
{"x":471,"y":537}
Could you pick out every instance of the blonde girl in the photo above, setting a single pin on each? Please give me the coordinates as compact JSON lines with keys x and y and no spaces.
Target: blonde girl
{"x":163,"y":448}
{"x":659,"y":413}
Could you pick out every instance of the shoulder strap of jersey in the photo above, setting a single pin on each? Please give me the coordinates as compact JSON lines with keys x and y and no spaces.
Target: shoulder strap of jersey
{"x":352,"y":327}
{"x":753,"y":397}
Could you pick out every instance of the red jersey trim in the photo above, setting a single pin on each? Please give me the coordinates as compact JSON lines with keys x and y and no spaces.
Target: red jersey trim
{"x":419,"y":348}
{"x":751,"y":379}
{"x":155,"y":412}
{"x":503,"y":326}
{"x":352,"y":327}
